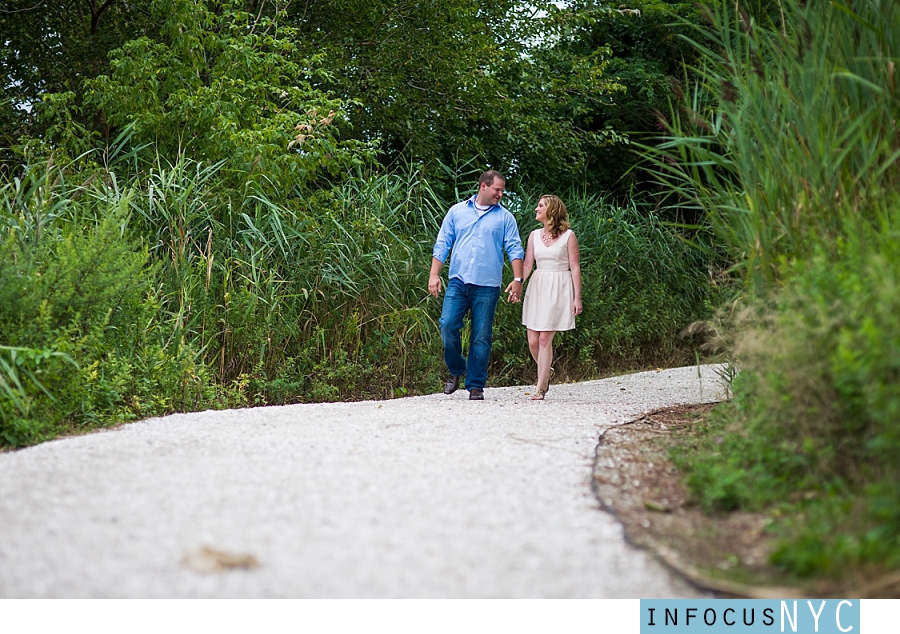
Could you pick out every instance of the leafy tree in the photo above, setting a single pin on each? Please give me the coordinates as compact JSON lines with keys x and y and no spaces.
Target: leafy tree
{"x":220,"y":83}
{"x":649,"y":57}
{"x":447,"y":81}
{"x":531,"y":88}
{"x":556,"y":89}
{"x":51,"y":47}
{"x":421,"y":71}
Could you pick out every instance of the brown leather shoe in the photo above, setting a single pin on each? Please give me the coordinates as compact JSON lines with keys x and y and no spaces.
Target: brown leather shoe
{"x":476,"y":394}
{"x":452,"y":384}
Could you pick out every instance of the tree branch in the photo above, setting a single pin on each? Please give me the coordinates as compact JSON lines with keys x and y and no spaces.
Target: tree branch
{"x":262,"y":5}
{"x":37,"y":6}
{"x":96,"y":14}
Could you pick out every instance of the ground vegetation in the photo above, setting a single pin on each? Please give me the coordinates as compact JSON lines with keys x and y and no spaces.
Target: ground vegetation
{"x":788,"y":148}
{"x":232,"y":203}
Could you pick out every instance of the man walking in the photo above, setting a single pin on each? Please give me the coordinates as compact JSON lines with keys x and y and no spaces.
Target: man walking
{"x":478,"y":231}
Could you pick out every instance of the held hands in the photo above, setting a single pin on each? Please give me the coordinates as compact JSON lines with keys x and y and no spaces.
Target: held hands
{"x":515,"y":292}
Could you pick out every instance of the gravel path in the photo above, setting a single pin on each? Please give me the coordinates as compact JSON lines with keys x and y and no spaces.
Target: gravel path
{"x":431,"y":496}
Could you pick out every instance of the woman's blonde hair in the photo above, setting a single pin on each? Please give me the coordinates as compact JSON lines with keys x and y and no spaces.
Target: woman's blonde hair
{"x":557,"y":216}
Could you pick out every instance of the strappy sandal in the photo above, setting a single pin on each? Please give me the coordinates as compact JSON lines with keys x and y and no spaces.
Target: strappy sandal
{"x":539,"y":395}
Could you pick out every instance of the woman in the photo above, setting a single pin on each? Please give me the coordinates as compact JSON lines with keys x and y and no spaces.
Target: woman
{"x":553,"y":297}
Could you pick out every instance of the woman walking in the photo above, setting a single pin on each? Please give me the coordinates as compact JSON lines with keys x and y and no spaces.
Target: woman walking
{"x":553,"y":296}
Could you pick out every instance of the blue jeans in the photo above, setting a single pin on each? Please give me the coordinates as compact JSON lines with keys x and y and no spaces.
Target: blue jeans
{"x":481,"y":302}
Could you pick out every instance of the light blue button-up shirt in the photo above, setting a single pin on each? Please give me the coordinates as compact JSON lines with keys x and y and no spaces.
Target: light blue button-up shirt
{"x":478,"y":243}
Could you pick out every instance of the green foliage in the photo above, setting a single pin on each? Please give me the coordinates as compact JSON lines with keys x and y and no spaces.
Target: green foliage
{"x":548,"y":93}
{"x":445,"y":81}
{"x":749,"y":465}
{"x":234,"y":244}
{"x":50,"y":48}
{"x":788,"y":132}
{"x":20,"y":381}
{"x":835,"y":373}
{"x":646,"y":56}
{"x":648,"y":283}
{"x":418,"y":70}
{"x":813,"y":427}
{"x":222,"y":84}
{"x":64,"y":136}
{"x":77,"y":316}
{"x":172,"y":292}
{"x":232,"y":241}
{"x":350,"y":298}
{"x":790,"y":146}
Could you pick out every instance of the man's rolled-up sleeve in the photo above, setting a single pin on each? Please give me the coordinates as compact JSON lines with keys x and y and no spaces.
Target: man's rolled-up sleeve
{"x":444,"y":241}
{"x":512,"y":242}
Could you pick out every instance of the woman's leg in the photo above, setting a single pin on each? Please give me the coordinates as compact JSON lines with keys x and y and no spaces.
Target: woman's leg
{"x":545,"y":358}
{"x":533,"y":343}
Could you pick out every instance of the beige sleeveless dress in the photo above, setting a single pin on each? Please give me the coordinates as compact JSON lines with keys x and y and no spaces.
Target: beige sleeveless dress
{"x":550,"y":292}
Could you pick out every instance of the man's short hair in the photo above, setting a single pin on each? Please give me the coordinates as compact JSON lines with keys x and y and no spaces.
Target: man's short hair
{"x":488,"y":178}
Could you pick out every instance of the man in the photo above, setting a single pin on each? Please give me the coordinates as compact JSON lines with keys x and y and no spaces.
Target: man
{"x":478,"y":230}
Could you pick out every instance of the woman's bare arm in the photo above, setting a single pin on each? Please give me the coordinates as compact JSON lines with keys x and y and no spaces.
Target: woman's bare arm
{"x":575,"y":268}
{"x":529,"y":258}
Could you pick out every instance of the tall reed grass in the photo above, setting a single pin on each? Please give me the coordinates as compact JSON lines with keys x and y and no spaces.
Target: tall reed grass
{"x":168,"y":289}
{"x":790,"y":146}
{"x":792,"y":130}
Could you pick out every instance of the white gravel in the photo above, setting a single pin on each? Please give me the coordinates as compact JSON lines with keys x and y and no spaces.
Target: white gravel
{"x":431,"y":496}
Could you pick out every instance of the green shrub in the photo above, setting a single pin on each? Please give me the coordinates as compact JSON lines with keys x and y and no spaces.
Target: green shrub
{"x":23,"y":372}
{"x":789,"y":143}
{"x":814,"y":421}
{"x":78,"y":317}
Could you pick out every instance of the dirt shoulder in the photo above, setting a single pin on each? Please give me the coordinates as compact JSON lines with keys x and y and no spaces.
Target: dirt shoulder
{"x":636,"y":481}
